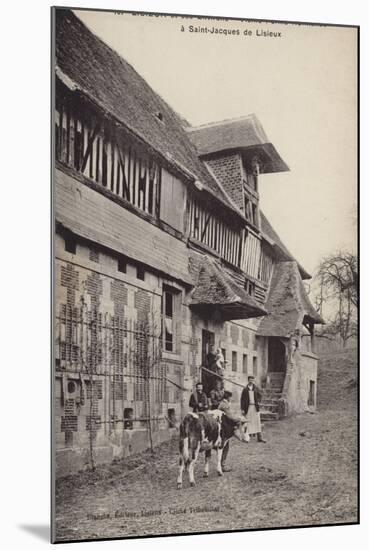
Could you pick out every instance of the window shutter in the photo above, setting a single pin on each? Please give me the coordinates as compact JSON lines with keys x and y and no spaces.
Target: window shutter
{"x":172,"y":201}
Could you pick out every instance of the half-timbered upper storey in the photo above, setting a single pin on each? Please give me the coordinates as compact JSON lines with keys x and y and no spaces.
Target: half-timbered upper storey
{"x":198,"y":186}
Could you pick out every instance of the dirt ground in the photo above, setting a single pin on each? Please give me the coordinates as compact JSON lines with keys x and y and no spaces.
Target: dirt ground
{"x":306,"y":474}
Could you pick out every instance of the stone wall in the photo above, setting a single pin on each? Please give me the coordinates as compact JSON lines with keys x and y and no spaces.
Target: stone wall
{"x":90,"y":276}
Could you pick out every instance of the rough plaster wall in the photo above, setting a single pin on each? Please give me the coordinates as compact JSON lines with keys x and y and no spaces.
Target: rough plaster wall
{"x":304,"y":370}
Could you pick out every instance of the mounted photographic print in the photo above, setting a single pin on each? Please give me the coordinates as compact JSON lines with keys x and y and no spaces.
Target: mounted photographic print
{"x":205,"y":274}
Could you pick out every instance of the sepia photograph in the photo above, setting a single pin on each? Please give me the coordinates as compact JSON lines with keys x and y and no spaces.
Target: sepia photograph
{"x":205,"y":274}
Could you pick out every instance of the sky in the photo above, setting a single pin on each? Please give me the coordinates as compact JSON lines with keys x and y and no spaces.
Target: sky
{"x":302,"y":86}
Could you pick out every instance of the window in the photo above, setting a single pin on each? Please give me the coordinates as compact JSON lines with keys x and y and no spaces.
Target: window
{"x":254,"y":182}
{"x":128,"y":419}
{"x":248,"y":210}
{"x":224,"y":352}
{"x":70,"y":244}
{"x":234,"y":361}
{"x":169,"y":319}
{"x":94,"y":255}
{"x":311,"y":400}
{"x":122,"y":264}
{"x":255,"y":366}
{"x":251,"y":207}
{"x":254,"y":214}
{"x":71,"y":386}
{"x":244,"y":363}
{"x":172,"y":201}
{"x":140,"y":273}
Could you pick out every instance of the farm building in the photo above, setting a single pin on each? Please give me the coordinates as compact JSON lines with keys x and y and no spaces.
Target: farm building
{"x":161,"y":251}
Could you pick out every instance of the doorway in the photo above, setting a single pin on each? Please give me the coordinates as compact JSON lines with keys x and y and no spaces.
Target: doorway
{"x":276,"y":355}
{"x":208,"y":340}
{"x":311,"y":400}
{"x":277,"y":363}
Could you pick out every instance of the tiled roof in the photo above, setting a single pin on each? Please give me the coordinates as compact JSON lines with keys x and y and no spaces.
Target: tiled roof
{"x":244,"y":133}
{"x":216,"y":290}
{"x":287,"y":303}
{"x":271,"y":234}
{"x":97,"y":71}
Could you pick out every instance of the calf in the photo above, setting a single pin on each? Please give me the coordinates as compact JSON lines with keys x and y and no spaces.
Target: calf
{"x":217,"y":428}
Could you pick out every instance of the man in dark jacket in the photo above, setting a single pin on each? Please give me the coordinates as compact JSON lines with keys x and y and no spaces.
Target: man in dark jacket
{"x":250,"y":407}
{"x":216,"y":394}
{"x":198,"y":400}
{"x":209,"y":375}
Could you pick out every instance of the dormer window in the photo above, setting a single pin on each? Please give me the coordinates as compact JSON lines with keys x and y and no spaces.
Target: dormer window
{"x":251,"y":170}
{"x":250,"y":190}
{"x":253,"y":182}
{"x":250,"y":180}
{"x":251,"y":210}
{"x":248,"y":210}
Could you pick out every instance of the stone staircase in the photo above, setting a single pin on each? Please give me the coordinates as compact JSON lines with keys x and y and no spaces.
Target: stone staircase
{"x":271,"y":394}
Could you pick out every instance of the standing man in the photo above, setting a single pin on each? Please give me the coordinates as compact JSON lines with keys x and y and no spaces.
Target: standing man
{"x":209,"y":375}
{"x":250,"y":407}
{"x":198,"y":399}
{"x":216,"y":394}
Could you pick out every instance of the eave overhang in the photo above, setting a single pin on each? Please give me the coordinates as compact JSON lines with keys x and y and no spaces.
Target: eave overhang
{"x":216,"y":295}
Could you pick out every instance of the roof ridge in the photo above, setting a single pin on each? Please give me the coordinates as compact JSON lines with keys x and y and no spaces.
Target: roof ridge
{"x":123,"y":61}
{"x":173,"y":140}
{"x":276,"y":239}
{"x":220,"y":122}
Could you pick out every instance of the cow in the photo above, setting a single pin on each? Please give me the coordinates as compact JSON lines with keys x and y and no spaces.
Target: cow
{"x":204,"y":432}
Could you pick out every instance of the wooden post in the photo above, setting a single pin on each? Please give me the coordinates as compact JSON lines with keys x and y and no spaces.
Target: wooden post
{"x":312,"y":336}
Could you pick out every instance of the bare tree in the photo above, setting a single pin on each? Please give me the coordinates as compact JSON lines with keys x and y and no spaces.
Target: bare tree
{"x":337,"y":285}
{"x":338,"y":275}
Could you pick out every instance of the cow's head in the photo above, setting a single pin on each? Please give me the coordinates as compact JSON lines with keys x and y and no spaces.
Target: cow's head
{"x":240,"y":430}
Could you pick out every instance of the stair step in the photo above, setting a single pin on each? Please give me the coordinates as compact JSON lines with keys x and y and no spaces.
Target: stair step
{"x":271,"y":397}
{"x":265,"y":416}
{"x":267,"y":411}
